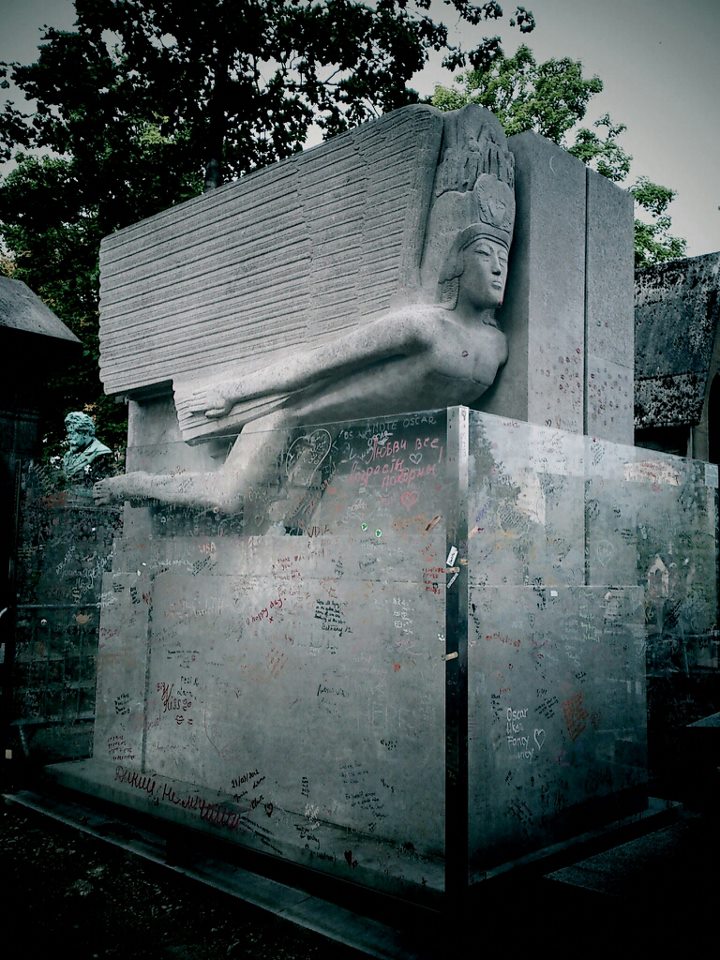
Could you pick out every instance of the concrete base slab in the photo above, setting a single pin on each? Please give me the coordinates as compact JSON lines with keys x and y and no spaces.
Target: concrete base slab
{"x":373,"y":863}
{"x":658,"y":867}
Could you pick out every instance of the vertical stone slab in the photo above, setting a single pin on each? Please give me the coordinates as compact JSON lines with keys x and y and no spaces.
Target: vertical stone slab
{"x":543,"y":315}
{"x":609,"y":313}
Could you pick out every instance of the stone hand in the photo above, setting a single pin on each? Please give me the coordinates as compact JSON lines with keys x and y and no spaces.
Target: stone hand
{"x":210,"y":401}
{"x":106,"y":491}
{"x":123,"y":487}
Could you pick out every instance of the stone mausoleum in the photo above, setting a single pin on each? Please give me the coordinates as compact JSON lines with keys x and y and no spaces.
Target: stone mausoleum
{"x":373,"y":593}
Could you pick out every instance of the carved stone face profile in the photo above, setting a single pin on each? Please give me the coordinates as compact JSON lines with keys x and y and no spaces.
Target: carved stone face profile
{"x":474,"y":274}
{"x":481,"y":285}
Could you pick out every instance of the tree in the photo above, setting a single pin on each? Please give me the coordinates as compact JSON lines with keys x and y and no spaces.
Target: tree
{"x":653,"y":241}
{"x":147,"y":102}
{"x":551,"y":98}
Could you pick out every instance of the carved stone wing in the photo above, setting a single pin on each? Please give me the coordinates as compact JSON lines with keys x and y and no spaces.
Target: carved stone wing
{"x":281,"y":259}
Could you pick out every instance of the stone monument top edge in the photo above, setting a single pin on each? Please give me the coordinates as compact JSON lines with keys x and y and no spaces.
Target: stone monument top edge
{"x":123,"y":234}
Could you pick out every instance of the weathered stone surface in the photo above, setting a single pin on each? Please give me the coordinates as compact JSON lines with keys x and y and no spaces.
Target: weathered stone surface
{"x":284,"y":257}
{"x":609,"y":399}
{"x":543,"y":314}
{"x":609,"y":319}
{"x":677,"y":308}
{"x":609,"y":272}
{"x":568,"y":309}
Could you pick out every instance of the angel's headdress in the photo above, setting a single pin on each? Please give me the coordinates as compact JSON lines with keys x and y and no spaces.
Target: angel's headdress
{"x":473,"y":195}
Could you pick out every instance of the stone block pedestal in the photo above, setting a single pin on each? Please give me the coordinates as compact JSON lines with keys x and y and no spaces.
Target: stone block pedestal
{"x":441,"y":670}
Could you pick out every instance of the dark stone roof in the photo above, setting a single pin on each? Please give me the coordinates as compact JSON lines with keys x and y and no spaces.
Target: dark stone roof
{"x":676,"y":313}
{"x":22,"y":311}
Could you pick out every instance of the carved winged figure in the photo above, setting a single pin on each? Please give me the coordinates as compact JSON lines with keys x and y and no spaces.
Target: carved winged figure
{"x":443,"y":350}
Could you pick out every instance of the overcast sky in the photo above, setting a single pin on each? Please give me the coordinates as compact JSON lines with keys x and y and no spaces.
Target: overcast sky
{"x":658,"y":60}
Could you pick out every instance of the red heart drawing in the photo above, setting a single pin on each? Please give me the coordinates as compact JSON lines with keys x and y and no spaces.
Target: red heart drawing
{"x":408,"y":498}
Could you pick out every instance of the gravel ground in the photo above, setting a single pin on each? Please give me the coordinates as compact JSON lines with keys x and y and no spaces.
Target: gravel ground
{"x":67,"y":893}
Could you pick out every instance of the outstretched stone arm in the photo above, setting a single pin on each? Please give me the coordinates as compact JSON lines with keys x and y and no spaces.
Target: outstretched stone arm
{"x":261,"y":391}
{"x":268,"y":412}
{"x":249,"y":462}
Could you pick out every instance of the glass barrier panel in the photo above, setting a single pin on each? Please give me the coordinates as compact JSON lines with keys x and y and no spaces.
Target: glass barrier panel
{"x":585,"y":557}
{"x":273,"y":673}
{"x":65,"y":548}
{"x":263,"y":656}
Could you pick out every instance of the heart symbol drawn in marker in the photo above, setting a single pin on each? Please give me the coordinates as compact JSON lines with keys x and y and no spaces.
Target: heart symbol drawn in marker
{"x":408,"y":498}
{"x":416,"y":458}
{"x":539,"y":737}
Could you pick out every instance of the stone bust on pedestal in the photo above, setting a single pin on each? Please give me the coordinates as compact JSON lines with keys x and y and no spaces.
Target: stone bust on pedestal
{"x":84,"y":449}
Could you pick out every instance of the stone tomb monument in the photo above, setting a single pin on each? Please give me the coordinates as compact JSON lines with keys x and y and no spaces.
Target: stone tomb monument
{"x":351,"y":622}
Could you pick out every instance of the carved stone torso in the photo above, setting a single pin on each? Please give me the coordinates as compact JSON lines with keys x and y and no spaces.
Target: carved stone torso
{"x":465,"y":360}
{"x":456,"y":365}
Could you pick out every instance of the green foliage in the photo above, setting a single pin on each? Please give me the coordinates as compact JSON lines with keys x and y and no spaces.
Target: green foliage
{"x":653,"y":242}
{"x":548,"y":98}
{"x":551,"y":98}
{"x":52,"y":246}
{"x":148,"y":101}
{"x":603,"y":153}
